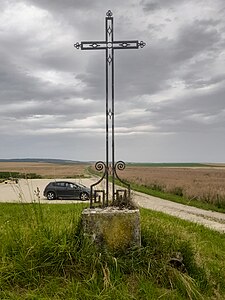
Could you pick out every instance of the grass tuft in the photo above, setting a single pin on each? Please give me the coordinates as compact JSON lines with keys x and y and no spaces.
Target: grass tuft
{"x":44,"y":256}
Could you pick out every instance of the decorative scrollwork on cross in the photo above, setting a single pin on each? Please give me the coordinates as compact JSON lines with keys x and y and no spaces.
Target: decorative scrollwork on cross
{"x":94,"y":45}
{"x":109,"y":13}
{"x":77,"y":45}
{"x":124,"y":45}
{"x":100,"y":165}
{"x":109,"y":30}
{"x":141,"y":44}
{"x":109,"y":59}
{"x":120,"y":165}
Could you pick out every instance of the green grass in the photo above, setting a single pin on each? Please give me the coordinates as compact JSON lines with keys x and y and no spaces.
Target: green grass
{"x":44,"y":256}
{"x":8,"y":175}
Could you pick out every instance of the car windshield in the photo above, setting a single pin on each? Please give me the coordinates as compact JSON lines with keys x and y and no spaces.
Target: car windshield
{"x":81,"y":185}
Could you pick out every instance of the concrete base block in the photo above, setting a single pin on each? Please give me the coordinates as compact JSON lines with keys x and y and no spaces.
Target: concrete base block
{"x":113,"y":228}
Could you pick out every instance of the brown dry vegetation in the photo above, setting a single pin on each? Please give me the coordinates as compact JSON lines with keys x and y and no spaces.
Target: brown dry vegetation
{"x":47,"y":170}
{"x":204,"y":184}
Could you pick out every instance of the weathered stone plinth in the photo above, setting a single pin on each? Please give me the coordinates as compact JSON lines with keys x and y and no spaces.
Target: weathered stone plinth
{"x":112,"y":228}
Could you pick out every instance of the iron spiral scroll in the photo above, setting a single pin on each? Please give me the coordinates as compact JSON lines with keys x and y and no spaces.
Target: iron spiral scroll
{"x":100,"y":197}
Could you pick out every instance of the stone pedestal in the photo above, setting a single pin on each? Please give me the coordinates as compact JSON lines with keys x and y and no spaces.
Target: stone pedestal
{"x":113,"y":228}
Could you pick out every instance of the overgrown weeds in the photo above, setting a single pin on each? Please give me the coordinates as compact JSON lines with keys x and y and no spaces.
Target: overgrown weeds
{"x":192,"y":185}
{"x":45,"y":256}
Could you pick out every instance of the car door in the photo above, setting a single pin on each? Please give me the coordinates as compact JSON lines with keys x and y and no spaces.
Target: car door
{"x":77,"y":191}
{"x":71,"y":190}
{"x":68,"y":190}
{"x":60,"y":189}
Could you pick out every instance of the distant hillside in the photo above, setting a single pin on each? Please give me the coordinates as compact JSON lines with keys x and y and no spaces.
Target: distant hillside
{"x":44,"y":160}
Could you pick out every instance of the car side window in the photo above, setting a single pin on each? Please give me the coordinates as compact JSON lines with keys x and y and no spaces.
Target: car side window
{"x":60,"y":184}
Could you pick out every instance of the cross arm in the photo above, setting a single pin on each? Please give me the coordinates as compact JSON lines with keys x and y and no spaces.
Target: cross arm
{"x":128,"y":44}
{"x":99,"y":45}
{"x":91,"y":45}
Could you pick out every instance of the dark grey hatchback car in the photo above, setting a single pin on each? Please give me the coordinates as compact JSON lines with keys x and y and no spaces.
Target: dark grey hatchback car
{"x":66,"y":190}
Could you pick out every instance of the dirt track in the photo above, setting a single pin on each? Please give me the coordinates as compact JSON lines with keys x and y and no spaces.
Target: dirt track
{"x":24,"y":191}
{"x":213,"y":220}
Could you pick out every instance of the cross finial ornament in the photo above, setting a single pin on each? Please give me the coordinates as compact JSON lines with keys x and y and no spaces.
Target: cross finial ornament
{"x":109,"y":45}
{"x":109,"y":13}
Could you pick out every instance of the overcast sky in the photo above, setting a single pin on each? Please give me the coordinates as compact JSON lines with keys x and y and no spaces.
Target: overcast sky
{"x":169,"y":96}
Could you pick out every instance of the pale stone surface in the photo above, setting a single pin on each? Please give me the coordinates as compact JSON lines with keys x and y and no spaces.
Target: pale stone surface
{"x":113,"y":228}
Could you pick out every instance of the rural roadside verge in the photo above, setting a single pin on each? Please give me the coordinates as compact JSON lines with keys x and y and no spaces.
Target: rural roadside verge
{"x":24,"y":190}
{"x":210,"y":219}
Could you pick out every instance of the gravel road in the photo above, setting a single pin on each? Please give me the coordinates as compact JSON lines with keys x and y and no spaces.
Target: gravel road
{"x":25,"y":191}
{"x":213,"y":220}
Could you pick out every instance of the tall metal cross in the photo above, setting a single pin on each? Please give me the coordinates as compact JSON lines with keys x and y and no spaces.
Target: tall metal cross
{"x":109,"y":45}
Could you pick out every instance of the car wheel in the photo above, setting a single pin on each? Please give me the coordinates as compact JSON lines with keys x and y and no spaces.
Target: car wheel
{"x":51,"y":196}
{"x":84,"y":196}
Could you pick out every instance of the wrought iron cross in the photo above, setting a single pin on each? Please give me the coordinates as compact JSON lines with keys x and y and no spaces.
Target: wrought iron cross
{"x":109,"y":45}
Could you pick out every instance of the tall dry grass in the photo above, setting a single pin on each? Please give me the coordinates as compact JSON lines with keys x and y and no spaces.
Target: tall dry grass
{"x":44,"y":255}
{"x":203,"y":184}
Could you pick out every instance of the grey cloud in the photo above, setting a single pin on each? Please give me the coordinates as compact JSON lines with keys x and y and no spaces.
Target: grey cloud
{"x":18,"y":87}
{"x":18,"y":82}
{"x":147,"y":71}
{"x":212,"y":102}
{"x":136,"y":72}
{"x":85,"y":6}
{"x":193,"y":113}
{"x":193,"y":81}
{"x":94,"y":75}
{"x":61,"y":59}
{"x":167,"y":57}
{"x":29,"y":49}
{"x":69,"y":145}
{"x":152,"y":5}
{"x":51,"y":107}
{"x":194,"y":39}
{"x":59,"y":5}
{"x":63,"y":119}
{"x":15,"y":86}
